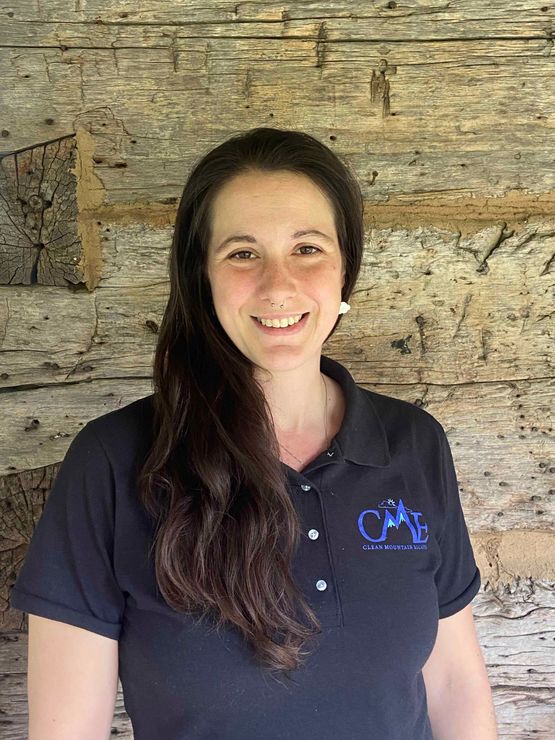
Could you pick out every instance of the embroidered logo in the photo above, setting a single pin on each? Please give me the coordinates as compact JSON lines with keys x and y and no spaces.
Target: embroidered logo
{"x":402,"y":517}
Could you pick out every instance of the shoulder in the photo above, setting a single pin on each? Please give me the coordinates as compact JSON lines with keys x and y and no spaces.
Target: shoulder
{"x":402,"y":419}
{"x":124,"y":432}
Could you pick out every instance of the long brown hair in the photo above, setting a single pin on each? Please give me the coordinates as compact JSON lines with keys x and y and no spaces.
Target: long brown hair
{"x":226,"y":527}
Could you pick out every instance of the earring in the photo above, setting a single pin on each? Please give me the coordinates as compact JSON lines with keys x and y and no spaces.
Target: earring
{"x":344,"y":307}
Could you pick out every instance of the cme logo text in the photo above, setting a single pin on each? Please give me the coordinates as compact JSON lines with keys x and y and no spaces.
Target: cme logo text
{"x":376,"y":524}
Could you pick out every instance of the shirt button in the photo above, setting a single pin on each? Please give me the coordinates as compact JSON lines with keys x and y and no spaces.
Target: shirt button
{"x":321,"y":585}
{"x":313,"y":534}
{"x":305,"y":488}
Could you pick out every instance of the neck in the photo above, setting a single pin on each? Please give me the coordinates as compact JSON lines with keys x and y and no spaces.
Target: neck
{"x":297,"y":398}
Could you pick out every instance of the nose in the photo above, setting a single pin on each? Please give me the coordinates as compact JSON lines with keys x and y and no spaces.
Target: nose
{"x":277,"y":285}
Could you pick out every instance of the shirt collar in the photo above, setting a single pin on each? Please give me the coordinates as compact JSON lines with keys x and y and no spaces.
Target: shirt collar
{"x":362,"y":438}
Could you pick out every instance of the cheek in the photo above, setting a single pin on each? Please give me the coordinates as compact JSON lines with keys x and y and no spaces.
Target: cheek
{"x":325,"y":283}
{"x":230,"y":293}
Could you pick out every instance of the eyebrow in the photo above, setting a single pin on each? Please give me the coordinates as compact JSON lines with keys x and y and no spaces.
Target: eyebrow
{"x":252,"y":240}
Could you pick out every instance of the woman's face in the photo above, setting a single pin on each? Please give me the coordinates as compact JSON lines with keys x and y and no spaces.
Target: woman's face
{"x":269,"y":264}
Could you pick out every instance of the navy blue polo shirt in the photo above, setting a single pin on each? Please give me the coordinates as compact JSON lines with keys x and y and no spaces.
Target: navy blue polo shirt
{"x":384,"y":554}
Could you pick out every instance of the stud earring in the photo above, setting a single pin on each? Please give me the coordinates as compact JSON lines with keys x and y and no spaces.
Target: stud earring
{"x":344,"y":307}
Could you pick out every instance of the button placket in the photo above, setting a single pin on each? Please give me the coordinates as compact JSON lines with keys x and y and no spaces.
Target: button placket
{"x":313,"y":534}
{"x":326,"y":604}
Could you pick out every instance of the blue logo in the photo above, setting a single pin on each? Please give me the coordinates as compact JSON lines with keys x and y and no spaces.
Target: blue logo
{"x":402,"y":516}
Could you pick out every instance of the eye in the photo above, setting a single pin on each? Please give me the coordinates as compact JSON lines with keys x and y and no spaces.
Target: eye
{"x":243,"y":251}
{"x":247,"y":251}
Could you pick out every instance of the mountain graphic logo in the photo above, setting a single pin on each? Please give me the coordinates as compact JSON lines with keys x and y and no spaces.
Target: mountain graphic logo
{"x":394,"y":515}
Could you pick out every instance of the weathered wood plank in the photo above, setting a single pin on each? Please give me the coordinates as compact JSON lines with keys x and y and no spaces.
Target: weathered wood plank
{"x":412,"y":19}
{"x":515,"y":624}
{"x":491,"y":136}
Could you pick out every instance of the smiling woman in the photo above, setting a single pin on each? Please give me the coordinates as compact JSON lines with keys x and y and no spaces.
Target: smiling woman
{"x":260,"y":515}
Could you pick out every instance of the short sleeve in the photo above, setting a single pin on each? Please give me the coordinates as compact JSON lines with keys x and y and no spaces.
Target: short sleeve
{"x":458,"y":577}
{"x":68,"y":574}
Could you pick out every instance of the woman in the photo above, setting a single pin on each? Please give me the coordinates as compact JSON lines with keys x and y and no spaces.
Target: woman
{"x":260,"y":515}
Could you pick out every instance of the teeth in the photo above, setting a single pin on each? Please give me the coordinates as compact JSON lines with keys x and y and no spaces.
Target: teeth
{"x":276,"y":323}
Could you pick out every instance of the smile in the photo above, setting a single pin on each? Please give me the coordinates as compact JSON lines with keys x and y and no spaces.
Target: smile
{"x":291,"y":328}
{"x":283,"y":322}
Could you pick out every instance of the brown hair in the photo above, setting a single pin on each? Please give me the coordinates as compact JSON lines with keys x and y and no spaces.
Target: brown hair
{"x":226,"y":527}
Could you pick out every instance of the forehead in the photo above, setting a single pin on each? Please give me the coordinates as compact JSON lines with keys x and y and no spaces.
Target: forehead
{"x":270,"y":204}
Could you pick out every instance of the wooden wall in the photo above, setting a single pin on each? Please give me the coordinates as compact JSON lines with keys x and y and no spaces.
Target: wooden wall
{"x":445,"y":110}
